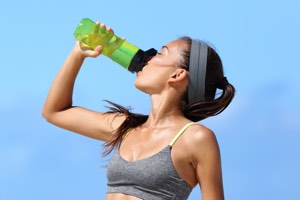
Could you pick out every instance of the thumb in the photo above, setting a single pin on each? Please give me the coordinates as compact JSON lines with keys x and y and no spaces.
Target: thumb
{"x":99,"y":49}
{"x":96,"y":52}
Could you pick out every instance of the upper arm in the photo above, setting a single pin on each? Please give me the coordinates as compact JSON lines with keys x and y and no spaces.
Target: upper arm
{"x":97,"y":125}
{"x":207,"y":161}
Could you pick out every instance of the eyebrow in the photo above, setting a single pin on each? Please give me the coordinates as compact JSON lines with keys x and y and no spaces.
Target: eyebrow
{"x":165,"y":47}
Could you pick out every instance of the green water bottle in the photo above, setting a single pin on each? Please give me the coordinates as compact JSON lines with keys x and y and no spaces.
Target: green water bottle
{"x":122,"y":52}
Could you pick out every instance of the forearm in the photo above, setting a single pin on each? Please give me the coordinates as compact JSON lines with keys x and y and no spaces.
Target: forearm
{"x":61,"y":91}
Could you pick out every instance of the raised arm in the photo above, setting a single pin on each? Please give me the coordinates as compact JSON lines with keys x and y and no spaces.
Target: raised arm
{"x":58,"y":108}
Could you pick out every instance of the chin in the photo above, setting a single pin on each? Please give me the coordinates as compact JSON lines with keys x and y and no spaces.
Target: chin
{"x":138,"y":85}
{"x":142,"y":87}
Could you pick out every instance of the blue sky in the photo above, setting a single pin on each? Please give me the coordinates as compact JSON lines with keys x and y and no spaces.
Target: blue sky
{"x":258,"y":134}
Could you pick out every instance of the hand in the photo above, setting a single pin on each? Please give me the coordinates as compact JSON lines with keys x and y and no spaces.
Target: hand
{"x":86,"y":51}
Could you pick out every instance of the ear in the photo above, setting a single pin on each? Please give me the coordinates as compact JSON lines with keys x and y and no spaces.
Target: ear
{"x":178,"y":75}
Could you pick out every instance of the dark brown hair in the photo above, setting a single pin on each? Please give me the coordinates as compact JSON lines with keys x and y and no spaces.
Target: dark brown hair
{"x":211,"y":105}
{"x":196,"y":111}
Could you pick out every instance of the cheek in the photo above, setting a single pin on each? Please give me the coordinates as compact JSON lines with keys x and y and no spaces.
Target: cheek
{"x":150,"y":83}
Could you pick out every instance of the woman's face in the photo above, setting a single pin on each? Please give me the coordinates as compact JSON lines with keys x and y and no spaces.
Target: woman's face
{"x":156,"y":73}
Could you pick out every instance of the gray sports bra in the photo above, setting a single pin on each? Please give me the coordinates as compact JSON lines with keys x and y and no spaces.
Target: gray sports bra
{"x":152,"y":178}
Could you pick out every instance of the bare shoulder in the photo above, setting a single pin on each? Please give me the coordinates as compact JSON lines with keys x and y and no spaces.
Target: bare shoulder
{"x":202,"y":141}
{"x":200,"y":134}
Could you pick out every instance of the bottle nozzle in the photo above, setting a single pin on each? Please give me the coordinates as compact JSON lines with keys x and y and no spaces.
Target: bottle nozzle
{"x":140,"y":59}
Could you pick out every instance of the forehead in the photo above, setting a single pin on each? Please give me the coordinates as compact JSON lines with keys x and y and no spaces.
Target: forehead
{"x":176,"y":44}
{"x":173,"y":50}
{"x":175,"y":47}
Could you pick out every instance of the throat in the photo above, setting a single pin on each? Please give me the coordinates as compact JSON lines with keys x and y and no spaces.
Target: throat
{"x":161,"y":120}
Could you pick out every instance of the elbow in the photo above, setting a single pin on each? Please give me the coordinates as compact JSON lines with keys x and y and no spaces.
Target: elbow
{"x":46,"y":114}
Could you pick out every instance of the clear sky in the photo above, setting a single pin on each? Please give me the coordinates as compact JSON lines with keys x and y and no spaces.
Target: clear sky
{"x":258,"y":134}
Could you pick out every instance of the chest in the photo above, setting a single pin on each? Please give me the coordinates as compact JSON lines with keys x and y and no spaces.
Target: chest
{"x":155,"y":174}
{"x":141,"y":144}
{"x":155,"y":169}
{"x":152,"y":151}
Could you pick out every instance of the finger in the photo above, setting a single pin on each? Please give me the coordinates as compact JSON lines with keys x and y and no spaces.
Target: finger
{"x":110,"y":30}
{"x":103,"y":28}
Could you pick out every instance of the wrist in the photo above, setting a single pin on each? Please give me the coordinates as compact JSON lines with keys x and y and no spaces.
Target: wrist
{"x":77,"y":53}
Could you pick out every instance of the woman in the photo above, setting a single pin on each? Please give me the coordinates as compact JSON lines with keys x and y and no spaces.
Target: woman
{"x":166,"y":154}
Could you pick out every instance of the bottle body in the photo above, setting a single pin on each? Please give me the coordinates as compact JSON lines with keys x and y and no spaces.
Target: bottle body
{"x":122,"y":52}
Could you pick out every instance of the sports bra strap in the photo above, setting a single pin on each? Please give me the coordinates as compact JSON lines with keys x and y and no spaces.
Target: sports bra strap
{"x":180,"y":133}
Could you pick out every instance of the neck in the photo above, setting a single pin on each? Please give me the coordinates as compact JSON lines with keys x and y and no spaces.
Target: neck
{"x":165,"y":111}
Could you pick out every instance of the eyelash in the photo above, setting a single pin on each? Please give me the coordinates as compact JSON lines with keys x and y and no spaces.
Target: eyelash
{"x":159,"y":53}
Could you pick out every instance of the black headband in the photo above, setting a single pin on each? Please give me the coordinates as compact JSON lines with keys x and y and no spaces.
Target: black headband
{"x":197,"y":71}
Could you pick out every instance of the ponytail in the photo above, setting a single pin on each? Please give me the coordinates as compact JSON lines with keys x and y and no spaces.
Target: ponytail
{"x":203,"y":109}
{"x":214,"y":79}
